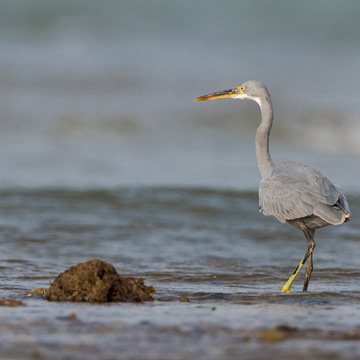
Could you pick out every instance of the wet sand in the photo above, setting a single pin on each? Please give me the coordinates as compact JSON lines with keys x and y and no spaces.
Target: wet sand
{"x":210,"y":326}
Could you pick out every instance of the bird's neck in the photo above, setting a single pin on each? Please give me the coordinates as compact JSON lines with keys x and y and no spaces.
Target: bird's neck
{"x":264,"y":160}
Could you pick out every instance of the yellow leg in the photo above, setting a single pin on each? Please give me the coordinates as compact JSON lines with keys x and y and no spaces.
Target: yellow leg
{"x":286,"y":287}
{"x":311,"y":246}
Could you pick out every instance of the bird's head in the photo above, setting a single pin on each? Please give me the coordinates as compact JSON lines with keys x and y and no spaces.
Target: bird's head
{"x":252,"y":90}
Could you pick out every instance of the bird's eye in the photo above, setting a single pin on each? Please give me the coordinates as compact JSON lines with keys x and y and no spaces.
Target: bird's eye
{"x":241,"y":88}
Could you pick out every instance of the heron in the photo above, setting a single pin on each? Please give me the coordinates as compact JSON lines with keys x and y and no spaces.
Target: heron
{"x":292,"y":192}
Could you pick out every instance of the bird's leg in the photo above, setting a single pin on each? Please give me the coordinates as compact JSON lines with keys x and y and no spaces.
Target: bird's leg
{"x":311,"y":246}
{"x":286,"y":287}
{"x":309,"y":234}
{"x":308,"y":272}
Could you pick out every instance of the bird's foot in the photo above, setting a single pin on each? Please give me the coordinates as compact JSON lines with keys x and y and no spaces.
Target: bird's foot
{"x":286,"y":287}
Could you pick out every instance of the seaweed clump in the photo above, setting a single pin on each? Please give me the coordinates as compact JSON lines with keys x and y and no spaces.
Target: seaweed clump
{"x":97,"y":281}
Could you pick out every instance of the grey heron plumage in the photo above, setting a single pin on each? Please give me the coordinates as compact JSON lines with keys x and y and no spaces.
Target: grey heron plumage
{"x":292,"y":192}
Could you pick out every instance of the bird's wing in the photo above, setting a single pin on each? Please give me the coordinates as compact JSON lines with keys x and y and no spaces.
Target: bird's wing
{"x":284,"y":199}
{"x":295,"y":191}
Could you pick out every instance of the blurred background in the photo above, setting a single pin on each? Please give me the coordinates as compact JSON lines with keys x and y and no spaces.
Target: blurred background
{"x":100,"y":94}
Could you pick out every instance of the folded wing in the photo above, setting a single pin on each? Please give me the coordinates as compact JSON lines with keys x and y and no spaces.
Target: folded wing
{"x":295,"y":191}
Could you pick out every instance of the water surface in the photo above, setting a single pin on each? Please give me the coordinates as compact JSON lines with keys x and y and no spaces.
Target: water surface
{"x":211,"y":246}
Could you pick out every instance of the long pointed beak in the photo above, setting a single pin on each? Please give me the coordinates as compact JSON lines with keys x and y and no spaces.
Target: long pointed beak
{"x":225,"y":94}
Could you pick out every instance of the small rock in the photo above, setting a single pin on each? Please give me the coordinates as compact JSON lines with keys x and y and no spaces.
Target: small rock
{"x":11,"y":303}
{"x":72,"y":317}
{"x":184,"y":298}
{"x":272,"y":335}
{"x":286,"y":328}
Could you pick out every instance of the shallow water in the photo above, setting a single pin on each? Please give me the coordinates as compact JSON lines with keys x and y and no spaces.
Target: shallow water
{"x":209,"y":245}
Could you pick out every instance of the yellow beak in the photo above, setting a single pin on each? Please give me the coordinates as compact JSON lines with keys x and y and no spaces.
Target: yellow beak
{"x":225,"y":94}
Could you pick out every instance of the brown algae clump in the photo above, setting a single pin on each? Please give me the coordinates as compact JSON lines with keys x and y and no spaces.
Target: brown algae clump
{"x":38,"y":292}
{"x":97,"y":281}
